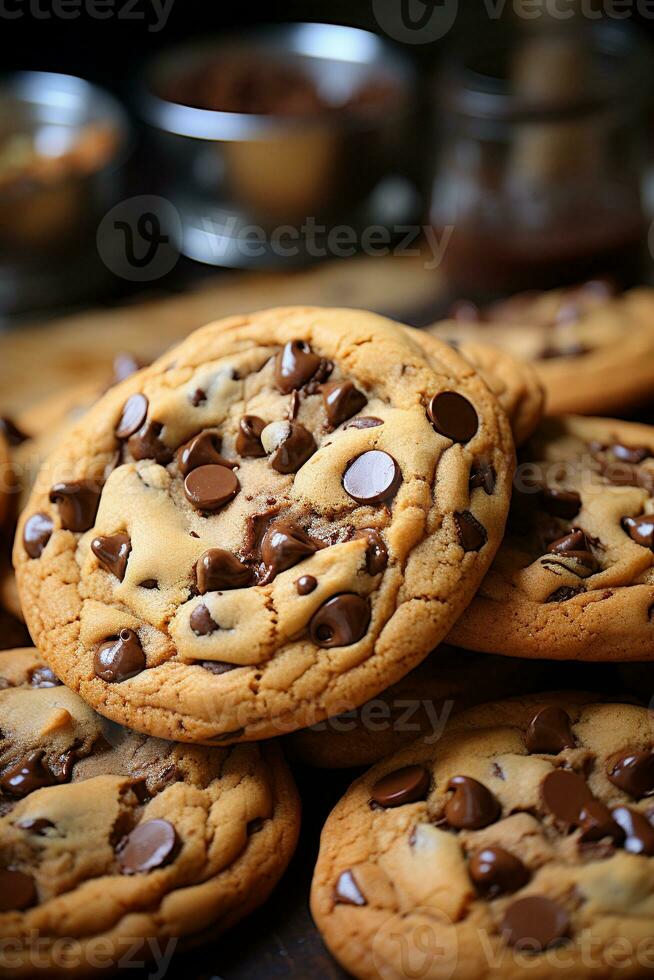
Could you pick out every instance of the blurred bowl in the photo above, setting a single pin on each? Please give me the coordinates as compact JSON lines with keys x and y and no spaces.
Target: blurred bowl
{"x":228,"y":172}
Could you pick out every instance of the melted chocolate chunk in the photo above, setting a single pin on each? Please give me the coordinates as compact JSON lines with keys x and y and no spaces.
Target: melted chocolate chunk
{"x":36,"y":534}
{"x":77,"y":504}
{"x":37,"y":825}
{"x":560,"y":503}
{"x":372,"y":477}
{"x":27,"y":775}
{"x":640,"y":530}
{"x":306,"y":584}
{"x":549,"y":731}
{"x":347,"y":892}
{"x":119,"y":658}
{"x":43,"y":677}
{"x":341,"y":621}
{"x":365,"y":422}
{"x":150,"y":845}
{"x":376,"y":552}
{"x":535,"y":923}
{"x":134,"y":414}
{"x":634,"y":773}
{"x":210,"y":487}
{"x":201,"y":622}
{"x":293,"y":452}
{"x":472,"y":805}
{"x":342,"y":400}
{"x":295,"y":365}
{"x":17,"y":891}
{"x":113,"y":552}
{"x":248,"y":439}
{"x":198,"y":398}
{"x":453,"y":416}
{"x":472,"y":534}
{"x":11,"y":432}
{"x":565,"y":794}
{"x":202,"y":450}
{"x":638,"y":831}
{"x":495,"y":871}
{"x":596,"y":823}
{"x":217,"y":569}
{"x":630,"y":454}
{"x":147,"y":443}
{"x":284,"y":545}
{"x":483,"y":475}
{"x":217,"y":666}
{"x":402,"y":786}
{"x":565,"y":593}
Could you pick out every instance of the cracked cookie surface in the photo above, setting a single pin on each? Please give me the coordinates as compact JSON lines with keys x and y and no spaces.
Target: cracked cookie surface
{"x":521,"y":844}
{"x":114,"y":841}
{"x":287,"y":511}
{"x":592,"y":350}
{"x":574,"y":577}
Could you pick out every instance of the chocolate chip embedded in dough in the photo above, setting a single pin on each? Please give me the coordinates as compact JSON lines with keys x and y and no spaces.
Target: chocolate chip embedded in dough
{"x":472,"y":805}
{"x":633,"y":773}
{"x":535,"y":923}
{"x":472,"y":535}
{"x":248,"y":439}
{"x":13,"y":435}
{"x":202,"y":450}
{"x":376,"y":551}
{"x":405,"y":785}
{"x":43,"y":676}
{"x":201,"y":622}
{"x":113,"y":551}
{"x":218,"y":569}
{"x":483,"y":475}
{"x":453,"y":416}
{"x":210,"y":487}
{"x":365,"y":422}
{"x":295,"y":364}
{"x":306,"y":584}
{"x":340,"y":621}
{"x":347,"y":892}
{"x":119,"y":658}
{"x":36,"y":534}
{"x":342,"y":400}
{"x":560,"y":503}
{"x":565,"y":593}
{"x":495,"y":871}
{"x":152,"y":844}
{"x":77,"y":503}
{"x":285,"y":544}
{"x":134,"y":414}
{"x":372,"y":478}
{"x":27,"y":775}
{"x":549,"y":731}
{"x":564,"y":794}
{"x":147,"y":443}
{"x":640,"y":530}
{"x":639,"y":832}
{"x":292,"y":445}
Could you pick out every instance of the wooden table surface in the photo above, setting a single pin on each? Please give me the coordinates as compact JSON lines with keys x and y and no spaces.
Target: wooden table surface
{"x":278,"y":942}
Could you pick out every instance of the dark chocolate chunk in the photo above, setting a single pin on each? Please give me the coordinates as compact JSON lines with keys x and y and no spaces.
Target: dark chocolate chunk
{"x":640,"y":530}
{"x":634,"y":773}
{"x":342,"y":400}
{"x":295,"y":365}
{"x":341,"y":621}
{"x":565,"y":593}
{"x":372,"y":477}
{"x":560,"y":503}
{"x":147,"y":443}
{"x":119,"y":658}
{"x":202,"y":450}
{"x":453,"y":416}
{"x":549,"y":731}
{"x":483,"y":475}
{"x":306,"y":584}
{"x":285,"y":544}
{"x":639,"y":832}
{"x":376,"y":552}
{"x":248,"y":439}
{"x":36,"y":534}
{"x":565,"y":794}
{"x":27,"y":775}
{"x":113,"y":551}
{"x":134,"y":414}
{"x":495,"y":871}
{"x":211,"y":487}
{"x":201,"y":622}
{"x":472,"y":534}
{"x":402,"y":786}
{"x":472,"y":805}
{"x":295,"y":449}
{"x":535,"y":923}
{"x":150,"y":845}
{"x":217,"y":569}
{"x":77,"y":503}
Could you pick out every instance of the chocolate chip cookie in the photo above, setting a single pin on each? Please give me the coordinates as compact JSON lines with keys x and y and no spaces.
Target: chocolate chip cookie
{"x":520,"y":844}
{"x":574,"y":578}
{"x":113,"y":843}
{"x":420,"y":705}
{"x":285,"y":512}
{"x":5,"y":479}
{"x":593,"y":350}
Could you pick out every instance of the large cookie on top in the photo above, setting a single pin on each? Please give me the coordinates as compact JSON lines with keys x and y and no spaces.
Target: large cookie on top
{"x":519,"y":845}
{"x":287,"y":511}
{"x":116,"y":846}
{"x":574,"y":578}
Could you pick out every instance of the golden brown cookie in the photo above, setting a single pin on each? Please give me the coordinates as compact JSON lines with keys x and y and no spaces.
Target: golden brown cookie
{"x":592,"y":350}
{"x":521,"y":844}
{"x":574,"y":578}
{"x":286,"y":511}
{"x":113,"y":843}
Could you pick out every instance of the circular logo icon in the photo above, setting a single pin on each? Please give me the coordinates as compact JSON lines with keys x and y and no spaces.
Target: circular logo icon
{"x":415,"y":21}
{"x":419,"y":946}
{"x":136,"y":240}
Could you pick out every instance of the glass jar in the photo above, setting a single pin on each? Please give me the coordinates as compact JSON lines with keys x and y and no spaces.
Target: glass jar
{"x":542,"y":161}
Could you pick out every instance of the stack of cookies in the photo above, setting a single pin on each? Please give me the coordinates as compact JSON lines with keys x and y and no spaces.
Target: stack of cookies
{"x":311,"y":523}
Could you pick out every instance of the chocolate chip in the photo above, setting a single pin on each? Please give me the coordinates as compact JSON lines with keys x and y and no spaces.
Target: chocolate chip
{"x":496,"y":871}
{"x":201,"y":622}
{"x":134,"y":414}
{"x":112,"y":551}
{"x":365,"y":422}
{"x":125,"y":365}
{"x":294,"y":450}
{"x":36,"y":825}
{"x":295,"y":365}
{"x":36,"y":534}
{"x":640,"y":530}
{"x":119,"y":658}
{"x":27,"y":775}
{"x":402,"y":786}
{"x":630,"y":454}
{"x":284,"y":545}
{"x":217,"y":666}
{"x":639,"y":833}
{"x":148,"y":444}
{"x":565,"y":593}
{"x":77,"y":504}
{"x":211,"y":487}
{"x":11,"y":432}
{"x":472,"y":806}
{"x":248,"y":439}
{"x":549,"y":731}
{"x":453,"y":416}
{"x":560,"y":503}
{"x":149,"y":583}
{"x":17,"y":891}
{"x":472,"y":534}
{"x":483,"y":475}
{"x":43,"y":677}
{"x":202,"y":450}
{"x":596,"y":823}
{"x":634,"y":773}
{"x":372,"y":477}
{"x":198,"y":398}
{"x":217,"y":569}
{"x":342,"y":400}
{"x":341,"y":621}
{"x":376,"y":551}
{"x":347,"y":892}
{"x":574,"y":541}
{"x":306,"y":584}
{"x":151,"y":845}
{"x":565,"y":793}
{"x":535,"y":923}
